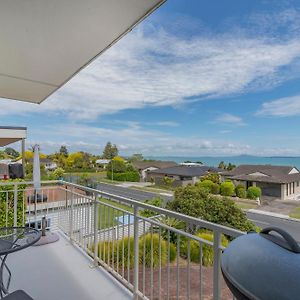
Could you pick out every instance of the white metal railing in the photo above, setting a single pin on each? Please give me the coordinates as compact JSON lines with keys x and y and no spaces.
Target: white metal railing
{"x":153,"y":257}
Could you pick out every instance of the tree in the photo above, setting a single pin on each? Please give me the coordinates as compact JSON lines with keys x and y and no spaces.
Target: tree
{"x":116,"y":165}
{"x":222,"y":165}
{"x":11,"y":152}
{"x":230,"y":167}
{"x":110,"y":151}
{"x":64,"y":151}
{"x":196,"y":202}
{"x":214,"y":177}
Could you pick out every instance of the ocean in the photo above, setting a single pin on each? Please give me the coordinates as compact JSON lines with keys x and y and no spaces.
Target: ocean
{"x":237,"y":160}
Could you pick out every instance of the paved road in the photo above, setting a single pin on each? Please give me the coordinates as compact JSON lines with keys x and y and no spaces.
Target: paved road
{"x":130,"y":193}
{"x":292,"y":227}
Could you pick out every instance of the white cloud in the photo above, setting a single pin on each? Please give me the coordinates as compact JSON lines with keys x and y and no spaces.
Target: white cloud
{"x":230,"y":120}
{"x":283,"y":107}
{"x":159,"y":68}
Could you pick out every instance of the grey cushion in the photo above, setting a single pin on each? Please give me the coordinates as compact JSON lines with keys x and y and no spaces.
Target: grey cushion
{"x":18,"y":295}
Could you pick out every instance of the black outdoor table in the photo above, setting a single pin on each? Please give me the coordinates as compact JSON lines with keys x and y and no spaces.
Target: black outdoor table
{"x":14,"y":239}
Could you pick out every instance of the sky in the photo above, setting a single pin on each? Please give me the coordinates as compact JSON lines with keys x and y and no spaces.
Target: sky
{"x":196,"y":78}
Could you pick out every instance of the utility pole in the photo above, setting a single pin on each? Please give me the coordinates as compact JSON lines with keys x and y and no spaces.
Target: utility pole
{"x":112,"y":171}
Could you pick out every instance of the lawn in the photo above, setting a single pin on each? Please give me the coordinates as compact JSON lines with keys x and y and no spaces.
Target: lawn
{"x":246,"y":206}
{"x":295,"y":213}
{"x":107,"y":215}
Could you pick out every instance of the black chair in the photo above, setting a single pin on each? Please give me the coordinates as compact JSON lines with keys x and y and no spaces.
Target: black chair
{"x":18,"y":295}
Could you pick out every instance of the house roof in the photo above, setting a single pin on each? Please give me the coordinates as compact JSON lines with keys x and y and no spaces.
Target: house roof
{"x":188,"y":171}
{"x":159,"y":164}
{"x":45,"y":43}
{"x":264,"y":173}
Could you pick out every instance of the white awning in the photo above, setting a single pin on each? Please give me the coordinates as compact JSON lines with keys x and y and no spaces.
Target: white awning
{"x":9,"y":135}
{"x":45,"y":43}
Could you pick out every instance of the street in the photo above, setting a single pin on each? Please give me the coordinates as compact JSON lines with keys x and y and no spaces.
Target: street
{"x":133,"y":194}
{"x":292,"y":227}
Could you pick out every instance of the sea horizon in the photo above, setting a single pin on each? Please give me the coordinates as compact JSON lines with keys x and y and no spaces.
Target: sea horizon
{"x":237,"y":160}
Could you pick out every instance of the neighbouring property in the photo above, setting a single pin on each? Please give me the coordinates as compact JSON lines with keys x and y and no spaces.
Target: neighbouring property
{"x":48,"y":163}
{"x":181,"y":175}
{"x":280,"y":182}
{"x":144,"y":167}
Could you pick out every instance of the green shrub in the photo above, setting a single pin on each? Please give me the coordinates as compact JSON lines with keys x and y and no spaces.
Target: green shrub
{"x":7,"y":204}
{"x":227,"y":188}
{"x":155,"y":202}
{"x":122,"y":251}
{"x":253,"y":192}
{"x":240,"y":191}
{"x":215,"y":189}
{"x":196,"y":202}
{"x":207,"y":250}
{"x":151,"y":242}
{"x":125,"y":176}
{"x":206,"y":184}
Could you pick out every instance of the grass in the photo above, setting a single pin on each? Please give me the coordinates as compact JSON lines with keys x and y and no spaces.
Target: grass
{"x":150,"y":189}
{"x":107,"y":215}
{"x":245,"y":205}
{"x":295,"y":213}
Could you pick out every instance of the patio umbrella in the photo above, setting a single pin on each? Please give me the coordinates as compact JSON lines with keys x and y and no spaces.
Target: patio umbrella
{"x":47,"y":237}
{"x":36,"y":169}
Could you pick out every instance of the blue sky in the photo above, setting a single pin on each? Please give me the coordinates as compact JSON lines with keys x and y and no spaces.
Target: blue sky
{"x":196,"y":78}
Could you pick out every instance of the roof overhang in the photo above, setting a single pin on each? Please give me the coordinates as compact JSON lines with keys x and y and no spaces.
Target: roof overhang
{"x":45,"y":43}
{"x":9,"y":135}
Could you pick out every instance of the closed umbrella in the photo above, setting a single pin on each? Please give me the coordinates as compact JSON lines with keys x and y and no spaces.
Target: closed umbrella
{"x":47,"y":237}
{"x":36,"y":169}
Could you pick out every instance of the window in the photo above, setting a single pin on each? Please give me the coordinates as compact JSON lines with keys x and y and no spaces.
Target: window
{"x":293,"y":187}
{"x":287,"y":189}
{"x":297,"y":183}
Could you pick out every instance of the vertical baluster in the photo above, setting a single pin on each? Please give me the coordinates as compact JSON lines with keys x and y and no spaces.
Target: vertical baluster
{"x":136,"y":253}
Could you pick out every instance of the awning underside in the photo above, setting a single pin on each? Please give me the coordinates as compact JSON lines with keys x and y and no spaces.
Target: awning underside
{"x":45,"y":43}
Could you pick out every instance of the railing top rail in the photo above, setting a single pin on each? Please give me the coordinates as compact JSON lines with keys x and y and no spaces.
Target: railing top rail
{"x":188,"y":219}
{"x":12,"y":183}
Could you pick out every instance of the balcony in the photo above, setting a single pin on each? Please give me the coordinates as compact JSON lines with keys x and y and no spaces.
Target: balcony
{"x":136,"y":257}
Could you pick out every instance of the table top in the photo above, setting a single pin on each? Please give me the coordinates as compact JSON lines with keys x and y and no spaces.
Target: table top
{"x":13,"y":239}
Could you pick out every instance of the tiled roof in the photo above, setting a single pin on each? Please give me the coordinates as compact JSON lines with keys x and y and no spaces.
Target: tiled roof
{"x":269,"y":173}
{"x":189,"y":171}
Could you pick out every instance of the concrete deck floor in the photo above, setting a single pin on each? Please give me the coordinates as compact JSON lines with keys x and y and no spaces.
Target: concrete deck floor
{"x":61,"y":271}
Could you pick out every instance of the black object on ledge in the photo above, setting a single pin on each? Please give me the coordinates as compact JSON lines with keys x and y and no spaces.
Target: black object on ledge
{"x":263,"y":266}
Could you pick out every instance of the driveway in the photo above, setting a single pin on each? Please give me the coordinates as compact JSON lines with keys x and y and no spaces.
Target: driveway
{"x":279,"y":206}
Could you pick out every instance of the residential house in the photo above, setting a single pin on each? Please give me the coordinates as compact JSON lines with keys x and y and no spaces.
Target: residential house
{"x":145,"y":166}
{"x":102,"y":163}
{"x":48,"y":163}
{"x":282,"y":182}
{"x":182,"y":175}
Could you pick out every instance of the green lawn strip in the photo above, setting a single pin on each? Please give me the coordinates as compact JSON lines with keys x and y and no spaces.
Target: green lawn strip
{"x":295,"y":213}
{"x":150,"y":189}
{"x":107,"y":215}
{"x":245,"y":205}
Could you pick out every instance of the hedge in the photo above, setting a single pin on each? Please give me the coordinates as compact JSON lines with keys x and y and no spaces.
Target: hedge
{"x":7,"y":204}
{"x":113,"y":252}
{"x":125,"y":176}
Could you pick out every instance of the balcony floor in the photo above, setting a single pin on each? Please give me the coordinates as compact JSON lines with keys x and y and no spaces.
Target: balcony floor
{"x":61,"y":271}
